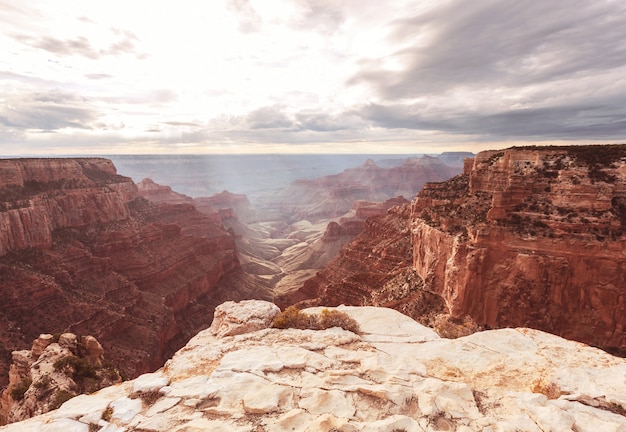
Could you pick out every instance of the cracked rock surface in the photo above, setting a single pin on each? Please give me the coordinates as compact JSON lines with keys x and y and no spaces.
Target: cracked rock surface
{"x":396,"y":375}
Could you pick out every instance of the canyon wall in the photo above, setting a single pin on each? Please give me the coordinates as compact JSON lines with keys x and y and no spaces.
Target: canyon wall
{"x":374,"y":269}
{"x":82,"y":251}
{"x":332,"y":196}
{"x":531,"y":237}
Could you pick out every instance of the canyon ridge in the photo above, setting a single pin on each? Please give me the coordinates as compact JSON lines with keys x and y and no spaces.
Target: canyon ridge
{"x":524,"y":237}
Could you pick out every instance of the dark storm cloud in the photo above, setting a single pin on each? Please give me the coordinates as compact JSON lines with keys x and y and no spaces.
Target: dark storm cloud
{"x":585,"y":120}
{"x":48,"y":111}
{"x":491,"y":43}
{"x":556,"y":59}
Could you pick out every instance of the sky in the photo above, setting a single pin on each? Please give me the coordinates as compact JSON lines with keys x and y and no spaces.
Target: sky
{"x":309,"y":76}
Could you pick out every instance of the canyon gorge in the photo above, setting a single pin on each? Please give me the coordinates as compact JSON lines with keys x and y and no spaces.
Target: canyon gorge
{"x":530,"y":237}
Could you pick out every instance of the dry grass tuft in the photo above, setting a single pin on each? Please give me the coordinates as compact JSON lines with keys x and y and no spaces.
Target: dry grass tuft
{"x":292,"y":317}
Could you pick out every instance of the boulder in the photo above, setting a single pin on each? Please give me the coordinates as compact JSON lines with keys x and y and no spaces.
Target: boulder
{"x":247,"y":316}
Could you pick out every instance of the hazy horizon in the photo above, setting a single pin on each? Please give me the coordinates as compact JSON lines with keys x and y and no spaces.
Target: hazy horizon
{"x":308,"y":76}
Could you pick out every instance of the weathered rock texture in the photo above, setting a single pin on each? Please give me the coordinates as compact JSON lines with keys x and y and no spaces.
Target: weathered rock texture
{"x":395,"y":375}
{"x":81,"y":251}
{"x":55,"y":369}
{"x":531,"y":237}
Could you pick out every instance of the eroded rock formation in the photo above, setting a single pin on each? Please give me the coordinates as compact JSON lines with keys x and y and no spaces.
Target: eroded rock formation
{"x":82,"y":251}
{"x":374,"y":269}
{"x":55,"y":369}
{"x":531,"y":237}
{"x":394,"y":375}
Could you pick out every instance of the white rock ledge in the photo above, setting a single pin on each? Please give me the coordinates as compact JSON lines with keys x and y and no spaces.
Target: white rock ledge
{"x":241,"y":375}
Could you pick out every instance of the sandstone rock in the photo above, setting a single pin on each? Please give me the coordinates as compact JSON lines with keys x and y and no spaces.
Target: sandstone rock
{"x":41,"y":379}
{"x":530,"y":237}
{"x":307,"y":380}
{"x":161,"y":194}
{"x":40,"y":344}
{"x":232,"y":318}
{"x":69,"y":341}
{"x":81,"y":251}
{"x":92,"y":350}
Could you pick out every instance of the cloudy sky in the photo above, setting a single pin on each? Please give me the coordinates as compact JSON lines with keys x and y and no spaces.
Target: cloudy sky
{"x":267,"y":76}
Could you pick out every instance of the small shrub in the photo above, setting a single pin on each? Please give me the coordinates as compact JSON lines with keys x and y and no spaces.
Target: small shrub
{"x":452,"y":328}
{"x":335,"y":318}
{"x":292,"y":317}
{"x":60,"y":398}
{"x":19,"y":390}
{"x":80,"y":366}
{"x":43,"y":383}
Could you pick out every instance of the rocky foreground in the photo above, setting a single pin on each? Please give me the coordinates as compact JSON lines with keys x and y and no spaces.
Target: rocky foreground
{"x":242,"y":375}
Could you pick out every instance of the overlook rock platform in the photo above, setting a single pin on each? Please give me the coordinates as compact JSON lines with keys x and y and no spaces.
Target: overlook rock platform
{"x":242,"y":375}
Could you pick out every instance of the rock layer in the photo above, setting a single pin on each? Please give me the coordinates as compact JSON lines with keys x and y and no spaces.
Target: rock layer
{"x":395,"y":375}
{"x":531,"y":237}
{"x":332,"y":196}
{"x":81,"y":251}
{"x":374,"y":269}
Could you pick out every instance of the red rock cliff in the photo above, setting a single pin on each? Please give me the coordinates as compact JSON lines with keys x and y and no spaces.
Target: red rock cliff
{"x":81,"y":251}
{"x":374,"y":269}
{"x":38,"y":196}
{"x":531,"y":237}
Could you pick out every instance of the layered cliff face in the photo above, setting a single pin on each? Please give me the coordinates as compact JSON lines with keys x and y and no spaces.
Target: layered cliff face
{"x":373,"y":269}
{"x":81,"y":251}
{"x":332,"y":196}
{"x":39,"y":196}
{"x":531,"y":237}
{"x":395,"y":375}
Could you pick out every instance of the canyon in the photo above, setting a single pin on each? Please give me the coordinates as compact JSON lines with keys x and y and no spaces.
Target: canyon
{"x":82,"y":251}
{"x":531,"y":237}
{"x":524,"y":238}
{"x":141,"y":266}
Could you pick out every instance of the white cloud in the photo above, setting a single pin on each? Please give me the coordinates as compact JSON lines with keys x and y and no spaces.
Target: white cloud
{"x":265,"y":74}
